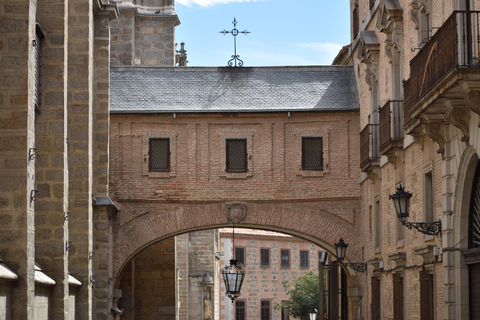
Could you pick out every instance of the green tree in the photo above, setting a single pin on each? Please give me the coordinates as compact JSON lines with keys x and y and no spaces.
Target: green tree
{"x":303,"y":295}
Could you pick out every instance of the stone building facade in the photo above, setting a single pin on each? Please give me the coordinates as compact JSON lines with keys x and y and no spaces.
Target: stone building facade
{"x":261,"y":255}
{"x":417,"y":77}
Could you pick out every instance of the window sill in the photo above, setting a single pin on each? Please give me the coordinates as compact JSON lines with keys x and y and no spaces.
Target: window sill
{"x":236,"y":175}
{"x":312,"y":173}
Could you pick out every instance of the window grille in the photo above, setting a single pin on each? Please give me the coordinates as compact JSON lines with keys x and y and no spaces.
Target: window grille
{"x":240,"y":255}
{"x":240,"y":310}
{"x":285,"y":258}
{"x":265,"y":257}
{"x":265,"y":312}
{"x":304,"y":259}
{"x":159,"y":151}
{"x":236,"y":155}
{"x":312,"y":153}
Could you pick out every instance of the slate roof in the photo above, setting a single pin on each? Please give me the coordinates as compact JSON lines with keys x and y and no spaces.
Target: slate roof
{"x":227,"y":89}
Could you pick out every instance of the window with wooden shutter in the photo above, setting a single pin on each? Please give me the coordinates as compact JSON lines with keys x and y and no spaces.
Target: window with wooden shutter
{"x":159,"y":155}
{"x":375,"y":305}
{"x":265,"y":310}
{"x":398,"y":294}
{"x":236,"y":151}
{"x":240,"y":310}
{"x":312,"y":153}
{"x":426,"y":295}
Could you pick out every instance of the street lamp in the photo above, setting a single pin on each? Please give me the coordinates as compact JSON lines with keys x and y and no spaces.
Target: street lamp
{"x":401,"y":202}
{"x":341,"y":248}
{"x":312,"y":312}
{"x":233,"y":275}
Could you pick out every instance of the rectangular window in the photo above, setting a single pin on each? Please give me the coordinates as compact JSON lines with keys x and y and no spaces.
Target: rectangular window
{"x":265,"y":311}
{"x":426,"y":295}
{"x":236,"y":155}
{"x":265,"y":257}
{"x":377,"y":226}
{"x":284,"y":314}
{"x":376,"y":298}
{"x":312,"y":153}
{"x":398,"y":294}
{"x":240,"y":310}
{"x":304,"y":259}
{"x":39,"y":36}
{"x":159,"y":151}
{"x":428,"y":196}
{"x":240,"y":255}
{"x":285,"y":258}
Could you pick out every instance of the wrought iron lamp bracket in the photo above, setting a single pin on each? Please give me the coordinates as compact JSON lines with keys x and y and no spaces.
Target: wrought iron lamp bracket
{"x":433,"y":228}
{"x":359,"y":267}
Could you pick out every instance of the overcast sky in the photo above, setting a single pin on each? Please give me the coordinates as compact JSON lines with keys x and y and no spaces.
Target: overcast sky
{"x":283,"y":32}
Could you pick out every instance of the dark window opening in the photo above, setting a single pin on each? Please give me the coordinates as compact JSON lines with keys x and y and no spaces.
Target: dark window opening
{"x":240,"y":255}
{"x":285,"y":258}
{"x":304,"y":259}
{"x":265,"y":257}
{"x":265,"y":311}
{"x":39,"y":36}
{"x":312,"y":153}
{"x":284,"y":314}
{"x":159,"y":151}
{"x":239,"y":310}
{"x":426,"y":296}
{"x":236,"y":155}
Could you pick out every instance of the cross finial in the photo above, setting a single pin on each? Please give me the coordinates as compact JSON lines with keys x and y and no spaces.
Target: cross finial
{"x":233,"y":62}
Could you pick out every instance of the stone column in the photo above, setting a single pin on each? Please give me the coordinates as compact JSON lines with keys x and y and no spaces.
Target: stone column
{"x":51,"y":217}
{"x":17,"y":137}
{"x":80,"y":135}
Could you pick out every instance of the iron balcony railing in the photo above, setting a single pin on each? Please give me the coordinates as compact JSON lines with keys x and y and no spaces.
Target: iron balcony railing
{"x":456,"y":44}
{"x":390,"y":122}
{"x":369,"y":150}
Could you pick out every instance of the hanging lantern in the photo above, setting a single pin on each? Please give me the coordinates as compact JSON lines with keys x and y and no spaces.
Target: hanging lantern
{"x":233,"y":275}
{"x":401,"y":202}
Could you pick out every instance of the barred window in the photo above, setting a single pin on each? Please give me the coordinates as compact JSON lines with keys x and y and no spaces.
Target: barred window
{"x":312,"y":153}
{"x":159,"y":155}
{"x":240,"y":310}
{"x":304,"y":259}
{"x":265,"y":311}
{"x":265,"y":257}
{"x":236,"y":155}
{"x":285,"y":258}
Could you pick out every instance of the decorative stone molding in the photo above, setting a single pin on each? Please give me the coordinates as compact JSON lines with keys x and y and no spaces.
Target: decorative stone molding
{"x":458,"y":117}
{"x":426,"y":252}
{"x":368,"y":54}
{"x":399,"y":258}
{"x":236,"y":211}
{"x":418,"y":7}
{"x":390,"y":22}
{"x":375,"y":262}
{"x":434,"y":130}
{"x":106,"y":8}
{"x":472,"y":99}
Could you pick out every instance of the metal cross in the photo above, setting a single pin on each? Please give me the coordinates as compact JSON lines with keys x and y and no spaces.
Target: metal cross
{"x":235,"y":32}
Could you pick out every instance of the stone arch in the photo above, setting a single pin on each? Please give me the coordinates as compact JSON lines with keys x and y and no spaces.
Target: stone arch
{"x":455,"y":235}
{"x":319,"y":227}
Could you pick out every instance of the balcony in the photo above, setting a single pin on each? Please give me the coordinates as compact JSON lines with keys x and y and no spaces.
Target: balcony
{"x":390,"y":127}
{"x":369,"y":151}
{"x":443,"y":68}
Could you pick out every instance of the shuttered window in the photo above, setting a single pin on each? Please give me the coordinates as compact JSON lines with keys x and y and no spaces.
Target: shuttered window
{"x":265,"y":310}
{"x":159,"y":151}
{"x":236,"y":151}
{"x":426,"y":295}
{"x":312,"y":153}
{"x":240,"y":310}
{"x":398,"y":294}
{"x":375,"y":298}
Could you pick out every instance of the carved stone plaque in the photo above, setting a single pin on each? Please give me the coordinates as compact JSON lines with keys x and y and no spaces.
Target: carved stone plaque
{"x":236,"y":211}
